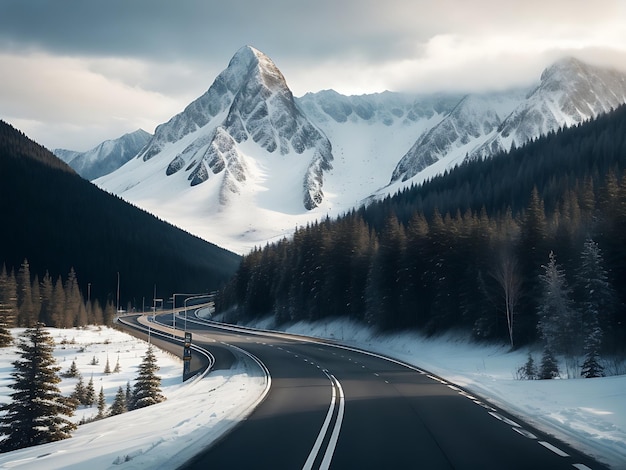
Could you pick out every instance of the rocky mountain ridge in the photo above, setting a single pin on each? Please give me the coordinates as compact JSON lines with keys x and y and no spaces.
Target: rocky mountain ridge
{"x":248,"y":146}
{"x":105,"y":157}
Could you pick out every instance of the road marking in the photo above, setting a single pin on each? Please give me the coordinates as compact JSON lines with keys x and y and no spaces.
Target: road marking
{"x":376,"y":374}
{"x":504,"y":419}
{"x":525,"y":433}
{"x":330,"y":450}
{"x":484,"y":405}
{"x":554,"y":449}
{"x":454,"y":388}
{"x":437,"y":379}
{"x":337,"y":391}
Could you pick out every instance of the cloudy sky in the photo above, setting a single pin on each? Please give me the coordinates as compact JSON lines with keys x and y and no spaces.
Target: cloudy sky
{"x":76,"y":72}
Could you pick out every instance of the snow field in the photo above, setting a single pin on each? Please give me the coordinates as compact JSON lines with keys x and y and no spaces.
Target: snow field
{"x":160,"y":436}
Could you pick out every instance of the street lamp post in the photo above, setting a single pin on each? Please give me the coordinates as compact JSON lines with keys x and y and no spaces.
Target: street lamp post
{"x":199,"y":296}
{"x":154,"y":303}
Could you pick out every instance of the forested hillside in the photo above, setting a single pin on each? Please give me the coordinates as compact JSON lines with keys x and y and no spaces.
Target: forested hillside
{"x":469,"y":249}
{"x":61,"y":223}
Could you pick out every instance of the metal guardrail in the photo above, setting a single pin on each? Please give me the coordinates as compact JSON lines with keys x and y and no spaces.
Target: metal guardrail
{"x":170,"y":338}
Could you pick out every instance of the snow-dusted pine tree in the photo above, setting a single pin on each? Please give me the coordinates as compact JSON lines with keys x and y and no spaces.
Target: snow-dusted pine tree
{"x":107,"y":367}
{"x":119,"y":403}
{"x":102,"y":404}
{"x":529,"y":370}
{"x":79,"y":393}
{"x":559,"y":322}
{"x":549,"y":368}
{"x":117,"y":368}
{"x":72,"y":372}
{"x":90,"y":393}
{"x":598,"y":298}
{"x":128,"y":396}
{"x":592,"y":366}
{"x":147,"y":389}
{"x":36,"y":413}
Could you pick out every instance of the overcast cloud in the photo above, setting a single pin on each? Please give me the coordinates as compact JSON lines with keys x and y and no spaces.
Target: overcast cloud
{"x":76,"y":72}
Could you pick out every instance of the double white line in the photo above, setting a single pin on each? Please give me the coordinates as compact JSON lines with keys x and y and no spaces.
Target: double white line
{"x":337,"y":395}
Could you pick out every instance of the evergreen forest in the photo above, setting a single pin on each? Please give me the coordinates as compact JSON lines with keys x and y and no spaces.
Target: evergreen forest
{"x":62,"y":223}
{"x":481,"y":248}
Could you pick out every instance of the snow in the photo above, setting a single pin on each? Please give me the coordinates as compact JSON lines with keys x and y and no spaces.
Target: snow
{"x":590,"y":414}
{"x":160,"y":436}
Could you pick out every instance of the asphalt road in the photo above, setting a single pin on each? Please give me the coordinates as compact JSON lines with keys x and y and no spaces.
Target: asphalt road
{"x":340,"y":408}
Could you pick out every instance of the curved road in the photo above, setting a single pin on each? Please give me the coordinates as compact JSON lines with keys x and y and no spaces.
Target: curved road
{"x":336,"y":407}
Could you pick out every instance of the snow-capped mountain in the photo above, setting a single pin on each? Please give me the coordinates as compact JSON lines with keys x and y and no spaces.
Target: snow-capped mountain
{"x":247,"y":162}
{"x":569,"y":92}
{"x":249,"y":101}
{"x":474,"y":117}
{"x":107,"y":156}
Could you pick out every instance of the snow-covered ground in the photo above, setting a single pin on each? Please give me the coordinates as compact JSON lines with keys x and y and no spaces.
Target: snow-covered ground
{"x":159,"y":436}
{"x":588,"y":413}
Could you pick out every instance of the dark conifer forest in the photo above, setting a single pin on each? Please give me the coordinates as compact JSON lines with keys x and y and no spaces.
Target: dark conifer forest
{"x":62,"y":224}
{"x":470,"y":249}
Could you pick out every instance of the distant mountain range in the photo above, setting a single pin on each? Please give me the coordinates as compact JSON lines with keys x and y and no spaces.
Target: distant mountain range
{"x":247,"y":162}
{"x":106,"y":157}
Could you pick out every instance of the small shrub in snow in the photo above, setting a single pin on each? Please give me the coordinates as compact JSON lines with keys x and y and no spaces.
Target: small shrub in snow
{"x":529,"y":370}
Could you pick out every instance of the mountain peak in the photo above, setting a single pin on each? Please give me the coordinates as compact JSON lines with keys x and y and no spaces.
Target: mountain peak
{"x":248,"y":113}
{"x":564,"y":65}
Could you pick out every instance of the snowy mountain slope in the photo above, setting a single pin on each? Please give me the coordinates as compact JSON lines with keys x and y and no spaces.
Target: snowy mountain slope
{"x":569,"y":92}
{"x":369,"y":134}
{"x":248,"y":101}
{"x":107,"y":156}
{"x":246,"y":162}
{"x":474,"y":118}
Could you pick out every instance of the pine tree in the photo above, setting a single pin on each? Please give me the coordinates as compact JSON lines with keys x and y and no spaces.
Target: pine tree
{"x":598,"y":298}
{"x":35,"y":415}
{"x":8,"y":306}
{"x":73,"y":301}
{"x":592,"y":367}
{"x":531,"y":253}
{"x":72,"y":372}
{"x":117,"y":368}
{"x":79,"y":394}
{"x":98,"y":314}
{"x":107,"y":367}
{"x":57,"y":307}
{"x":36,"y":299}
{"x":119,"y":403}
{"x":529,"y":370}
{"x":559,"y":323}
{"x":102,"y":404}
{"x":90,"y":393}
{"x":25,"y":307}
{"x":147,"y":389}
{"x":46,"y":289}
{"x":549,"y":368}
{"x":128,"y":397}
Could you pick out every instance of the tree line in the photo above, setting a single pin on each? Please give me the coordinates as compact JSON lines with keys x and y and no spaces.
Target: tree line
{"x":467,"y":249}
{"x":26,"y":301}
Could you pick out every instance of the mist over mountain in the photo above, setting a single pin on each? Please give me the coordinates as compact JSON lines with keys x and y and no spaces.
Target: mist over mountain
{"x":247,"y":162}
